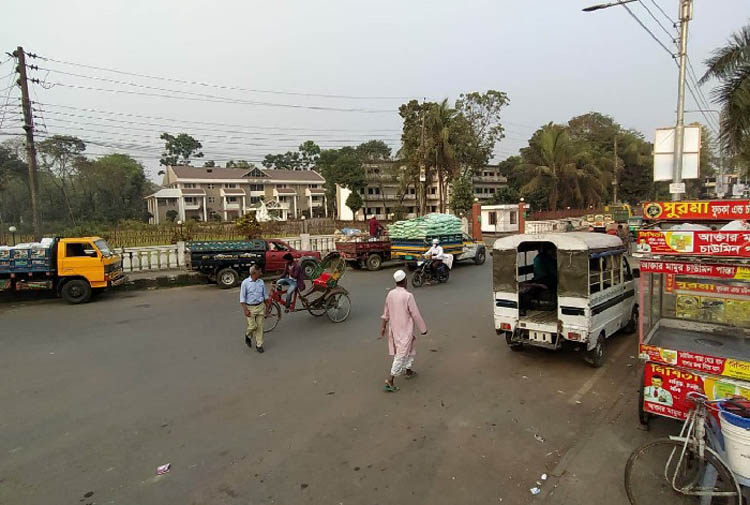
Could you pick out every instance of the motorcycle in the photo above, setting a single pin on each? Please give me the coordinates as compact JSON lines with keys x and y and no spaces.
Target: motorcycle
{"x":425,"y":273}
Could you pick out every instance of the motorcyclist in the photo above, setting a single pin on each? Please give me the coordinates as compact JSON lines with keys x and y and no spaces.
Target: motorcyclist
{"x":436,"y":253}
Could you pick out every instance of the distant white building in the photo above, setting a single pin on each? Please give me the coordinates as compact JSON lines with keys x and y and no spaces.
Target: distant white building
{"x":500,"y":218}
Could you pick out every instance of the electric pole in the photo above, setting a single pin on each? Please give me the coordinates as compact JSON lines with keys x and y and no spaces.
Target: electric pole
{"x":614,"y":172}
{"x":686,"y":12}
{"x":28,"y":120}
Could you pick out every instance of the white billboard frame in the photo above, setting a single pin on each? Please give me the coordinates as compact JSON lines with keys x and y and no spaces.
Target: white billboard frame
{"x":664,"y":153}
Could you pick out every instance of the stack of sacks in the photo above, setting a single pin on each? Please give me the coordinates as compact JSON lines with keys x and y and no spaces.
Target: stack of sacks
{"x":428,"y":226}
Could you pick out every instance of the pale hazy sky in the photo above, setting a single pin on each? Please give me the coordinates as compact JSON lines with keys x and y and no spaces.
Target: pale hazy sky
{"x":553,"y":60}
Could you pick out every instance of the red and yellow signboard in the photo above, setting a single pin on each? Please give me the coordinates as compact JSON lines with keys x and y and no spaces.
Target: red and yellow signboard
{"x":697,"y":243}
{"x":696,"y":269}
{"x":716,"y":210}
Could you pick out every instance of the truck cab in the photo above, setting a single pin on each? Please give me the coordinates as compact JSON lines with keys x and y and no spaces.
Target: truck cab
{"x":85,"y":264}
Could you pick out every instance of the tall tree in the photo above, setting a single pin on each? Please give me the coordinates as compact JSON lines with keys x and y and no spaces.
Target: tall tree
{"x":179,"y":149}
{"x":483,"y":113}
{"x":60,"y":155}
{"x":730,"y":64}
{"x":343,"y":167}
{"x":373,"y":151}
{"x":553,"y":162}
{"x":462,"y":197}
{"x":304,"y":158}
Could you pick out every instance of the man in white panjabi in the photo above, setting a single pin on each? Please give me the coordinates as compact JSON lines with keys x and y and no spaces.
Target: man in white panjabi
{"x":399,"y":317}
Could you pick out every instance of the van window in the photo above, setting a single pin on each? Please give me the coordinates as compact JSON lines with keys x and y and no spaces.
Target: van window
{"x":572,"y":268}
{"x":595,"y":275}
{"x":616,"y":269}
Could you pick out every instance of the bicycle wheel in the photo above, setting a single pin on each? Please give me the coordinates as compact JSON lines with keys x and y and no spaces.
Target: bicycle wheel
{"x":272,"y":317}
{"x":648,"y":480}
{"x":338,"y":307}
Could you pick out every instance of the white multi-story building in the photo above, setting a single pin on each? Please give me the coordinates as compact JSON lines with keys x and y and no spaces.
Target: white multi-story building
{"x":205,"y":193}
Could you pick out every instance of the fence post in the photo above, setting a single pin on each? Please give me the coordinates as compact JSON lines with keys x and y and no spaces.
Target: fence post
{"x":180,"y":253}
{"x":305,"y":241}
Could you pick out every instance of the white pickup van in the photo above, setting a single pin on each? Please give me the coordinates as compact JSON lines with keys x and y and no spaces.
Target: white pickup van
{"x":563,"y":288}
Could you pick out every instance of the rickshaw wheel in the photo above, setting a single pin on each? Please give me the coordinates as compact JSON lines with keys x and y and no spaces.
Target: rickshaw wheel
{"x":317,"y":307}
{"x":338,"y":307}
{"x":272,"y":317}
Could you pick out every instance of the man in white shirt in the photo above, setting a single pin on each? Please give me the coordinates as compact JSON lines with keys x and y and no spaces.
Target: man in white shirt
{"x":436,"y":253}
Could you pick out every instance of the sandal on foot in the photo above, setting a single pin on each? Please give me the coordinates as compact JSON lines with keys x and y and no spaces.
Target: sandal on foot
{"x":390,"y":389}
{"x":411,"y":375}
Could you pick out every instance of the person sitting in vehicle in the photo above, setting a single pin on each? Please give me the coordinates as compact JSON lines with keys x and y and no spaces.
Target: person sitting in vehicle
{"x":436,"y":253}
{"x":293,"y":278}
{"x":545,"y":268}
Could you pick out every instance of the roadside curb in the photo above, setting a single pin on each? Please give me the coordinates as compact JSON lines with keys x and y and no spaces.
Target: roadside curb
{"x":165,"y":281}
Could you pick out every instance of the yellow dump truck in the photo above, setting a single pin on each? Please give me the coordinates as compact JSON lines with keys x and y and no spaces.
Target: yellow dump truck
{"x":76,"y":268}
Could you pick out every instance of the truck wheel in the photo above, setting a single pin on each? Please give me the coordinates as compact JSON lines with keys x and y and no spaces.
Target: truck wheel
{"x":76,"y":291}
{"x":596,"y":357}
{"x":514,"y":346}
{"x":227,"y":278}
{"x":373,"y":262}
{"x":308,"y":269}
{"x":480,"y":257}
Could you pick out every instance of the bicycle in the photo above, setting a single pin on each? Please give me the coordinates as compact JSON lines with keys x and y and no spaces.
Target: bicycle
{"x":692,"y":469}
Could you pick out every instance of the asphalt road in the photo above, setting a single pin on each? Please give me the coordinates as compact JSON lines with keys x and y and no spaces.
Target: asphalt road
{"x":95,"y":397}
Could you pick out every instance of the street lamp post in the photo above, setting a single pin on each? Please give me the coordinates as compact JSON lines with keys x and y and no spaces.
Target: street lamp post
{"x":12,"y":230}
{"x":686,"y":13}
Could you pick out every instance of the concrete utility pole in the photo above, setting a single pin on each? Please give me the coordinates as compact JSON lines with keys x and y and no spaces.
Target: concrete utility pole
{"x":686,"y":12}
{"x":614,"y":172}
{"x":28,"y":120}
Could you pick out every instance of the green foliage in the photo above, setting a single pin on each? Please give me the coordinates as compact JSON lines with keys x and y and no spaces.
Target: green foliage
{"x":179,"y":149}
{"x":239,"y":164}
{"x":172,"y":215}
{"x":462,"y":197}
{"x":343,"y":167}
{"x":304,"y":158}
{"x":248,"y":226}
{"x":482,"y":111}
{"x":730,"y":65}
{"x":209,"y":164}
{"x":374,"y":150}
{"x":505,"y":195}
{"x":399,"y":213}
{"x":555,"y":163}
{"x":354,"y":201}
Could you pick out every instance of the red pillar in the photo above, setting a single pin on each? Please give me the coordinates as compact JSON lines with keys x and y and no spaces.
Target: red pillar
{"x":476,"y":221}
{"x":521,"y":217}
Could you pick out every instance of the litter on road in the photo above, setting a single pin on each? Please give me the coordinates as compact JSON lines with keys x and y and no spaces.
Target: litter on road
{"x":162,"y":469}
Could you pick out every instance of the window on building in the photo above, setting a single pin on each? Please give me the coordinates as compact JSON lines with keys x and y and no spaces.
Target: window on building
{"x":361,"y":191}
{"x":313,"y":186}
{"x":433,"y":208}
{"x":211,"y":199}
{"x":412,"y":191}
{"x":189,"y":200}
{"x":281,"y":186}
{"x":231,"y":199}
{"x":378,"y":209}
{"x":411,"y":210}
{"x":387,"y":210}
{"x":254,"y":199}
{"x":433,"y":190}
{"x":256,"y":187}
{"x":370,"y":191}
{"x":188,"y":185}
{"x":492,"y":190}
{"x":230,"y":185}
{"x":209,"y":186}
{"x":513,"y":217}
{"x":493,"y":218}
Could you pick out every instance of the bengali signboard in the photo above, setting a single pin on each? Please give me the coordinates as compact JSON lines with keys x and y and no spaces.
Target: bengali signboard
{"x":696,"y":269}
{"x":715,"y":210}
{"x":727,"y":367}
{"x":699,"y":243}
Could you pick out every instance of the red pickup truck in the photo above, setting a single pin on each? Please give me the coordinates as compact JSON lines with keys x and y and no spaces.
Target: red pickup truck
{"x":227,"y":262}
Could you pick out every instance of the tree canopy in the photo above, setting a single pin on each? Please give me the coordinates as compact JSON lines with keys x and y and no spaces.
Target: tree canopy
{"x":304,"y":158}
{"x":179,"y":149}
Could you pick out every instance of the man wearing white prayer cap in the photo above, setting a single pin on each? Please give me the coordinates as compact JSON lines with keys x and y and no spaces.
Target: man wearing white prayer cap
{"x":399,"y":316}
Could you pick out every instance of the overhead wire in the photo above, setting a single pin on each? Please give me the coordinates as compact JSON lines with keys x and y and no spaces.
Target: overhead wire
{"x":638,"y":20}
{"x":220,"y":86}
{"x":674,"y":23}
{"x":671,"y":35}
{"x":6,"y":103}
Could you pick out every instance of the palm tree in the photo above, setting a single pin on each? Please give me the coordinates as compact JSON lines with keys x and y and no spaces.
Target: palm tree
{"x":554,"y":163}
{"x":440,"y":122}
{"x":730,"y":64}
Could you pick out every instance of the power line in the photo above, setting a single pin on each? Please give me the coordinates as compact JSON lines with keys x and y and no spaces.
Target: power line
{"x":220,"y":86}
{"x":126,"y":114}
{"x":637,"y":19}
{"x":224,"y":100}
{"x":669,"y":34}
{"x":674,"y":23}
